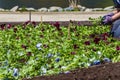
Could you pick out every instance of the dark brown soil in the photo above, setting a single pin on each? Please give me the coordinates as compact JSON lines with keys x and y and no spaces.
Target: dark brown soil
{"x":108,"y":71}
{"x":62,"y":23}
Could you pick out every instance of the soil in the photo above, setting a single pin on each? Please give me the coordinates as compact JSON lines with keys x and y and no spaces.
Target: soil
{"x":107,"y":71}
{"x":62,"y":23}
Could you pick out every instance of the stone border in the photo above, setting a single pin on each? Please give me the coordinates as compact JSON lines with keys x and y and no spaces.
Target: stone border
{"x":72,"y":12}
{"x":59,"y":9}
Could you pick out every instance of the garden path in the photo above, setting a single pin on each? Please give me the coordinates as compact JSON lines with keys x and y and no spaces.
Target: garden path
{"x":48,"y":16}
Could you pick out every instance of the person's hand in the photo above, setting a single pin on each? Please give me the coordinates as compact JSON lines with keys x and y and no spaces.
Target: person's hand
{"x":107,"y":20}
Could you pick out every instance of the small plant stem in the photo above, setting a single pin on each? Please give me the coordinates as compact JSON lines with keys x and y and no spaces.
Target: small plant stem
{"x":41,"y":20}
{"x":30,"y":16}
{"x":69,"y":26}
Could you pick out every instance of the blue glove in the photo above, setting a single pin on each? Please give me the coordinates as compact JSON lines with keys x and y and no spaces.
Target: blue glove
{"x":107,"y":20}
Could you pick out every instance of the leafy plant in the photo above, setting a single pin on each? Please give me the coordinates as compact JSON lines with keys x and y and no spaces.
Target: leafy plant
{"x":73,"y":4}
{"x":30,"y":50}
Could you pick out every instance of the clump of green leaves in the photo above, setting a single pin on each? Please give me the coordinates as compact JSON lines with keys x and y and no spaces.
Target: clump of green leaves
{"x":46,"y":49}
{"x":96,"y":21}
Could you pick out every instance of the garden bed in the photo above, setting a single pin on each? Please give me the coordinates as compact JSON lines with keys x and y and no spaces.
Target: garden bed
{"x":73,"y":50}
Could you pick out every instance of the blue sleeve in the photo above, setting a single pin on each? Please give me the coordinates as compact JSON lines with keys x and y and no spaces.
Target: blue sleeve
{"x":117,"y":3}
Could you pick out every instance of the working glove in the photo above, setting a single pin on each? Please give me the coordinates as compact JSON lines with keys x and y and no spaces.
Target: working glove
{"x":107,"y":20}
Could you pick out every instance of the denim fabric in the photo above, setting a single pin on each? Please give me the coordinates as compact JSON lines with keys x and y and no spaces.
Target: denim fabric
{"x":115,"y":30}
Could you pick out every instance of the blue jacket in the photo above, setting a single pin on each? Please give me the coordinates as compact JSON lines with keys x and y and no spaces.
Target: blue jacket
{"x":117,"y":3}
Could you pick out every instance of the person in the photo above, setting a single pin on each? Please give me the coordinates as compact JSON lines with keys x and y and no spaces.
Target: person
{"x":113,"y":19}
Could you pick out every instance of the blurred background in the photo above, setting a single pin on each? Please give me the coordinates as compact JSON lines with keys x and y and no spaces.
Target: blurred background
{"x":8,"y":4}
